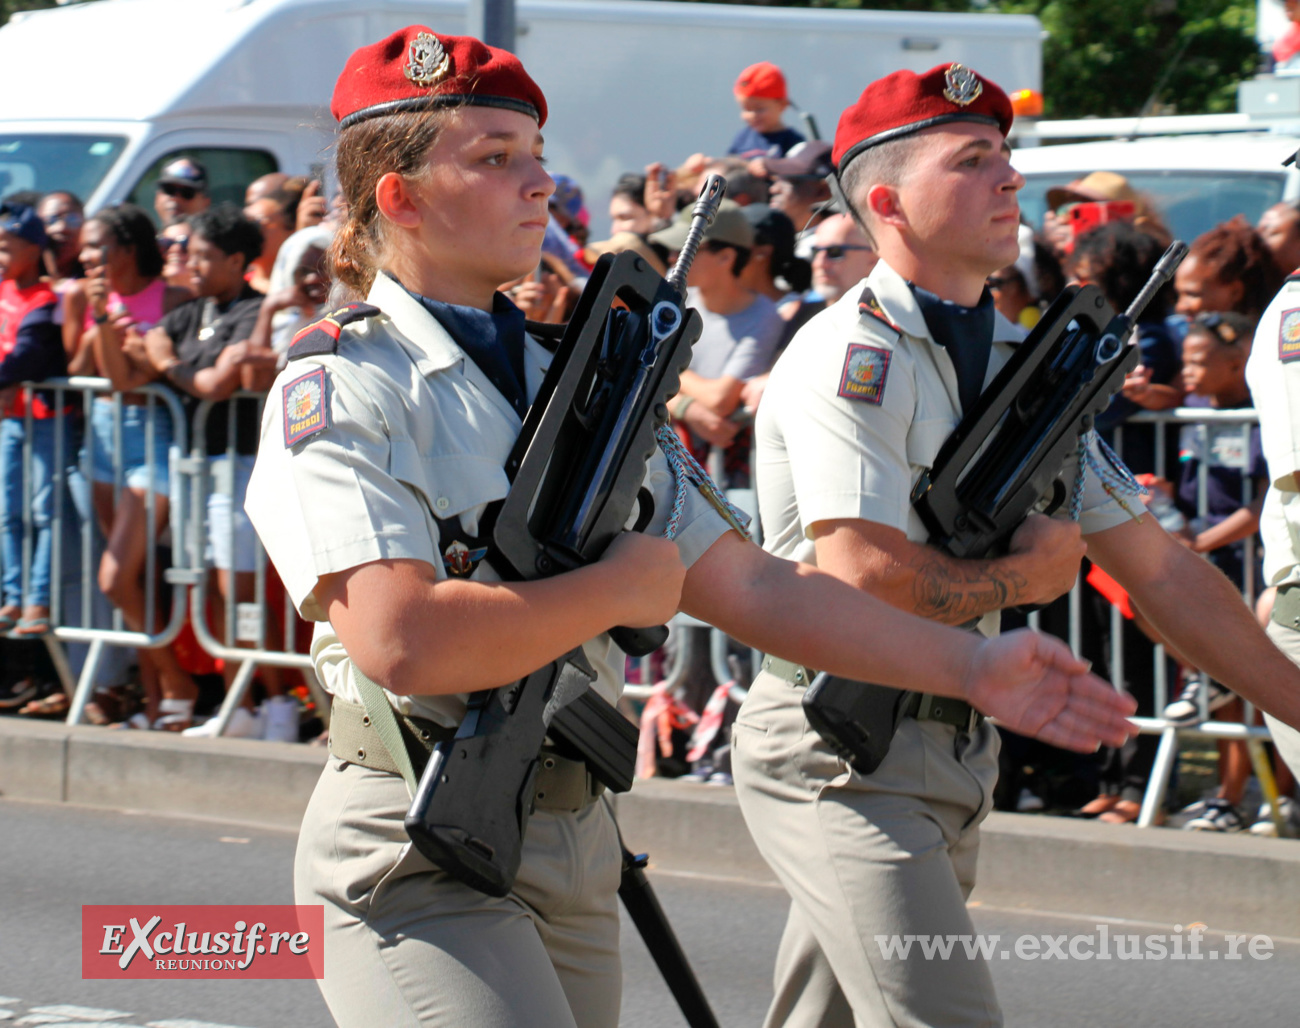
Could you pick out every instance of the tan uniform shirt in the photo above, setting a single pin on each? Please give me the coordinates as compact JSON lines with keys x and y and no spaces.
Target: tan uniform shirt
{"x":856,"y":410}
{"x":415,"y":429}
{"x":1273,"y":373}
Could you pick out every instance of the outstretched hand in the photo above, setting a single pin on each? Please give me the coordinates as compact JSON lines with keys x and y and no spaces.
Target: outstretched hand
{"x":1034,"y":685}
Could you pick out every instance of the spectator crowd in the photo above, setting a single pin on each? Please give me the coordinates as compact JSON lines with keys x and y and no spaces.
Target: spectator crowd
{"x":203,"y":300}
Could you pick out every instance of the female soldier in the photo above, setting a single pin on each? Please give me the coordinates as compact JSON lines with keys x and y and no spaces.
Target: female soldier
{"x":383,"y":442}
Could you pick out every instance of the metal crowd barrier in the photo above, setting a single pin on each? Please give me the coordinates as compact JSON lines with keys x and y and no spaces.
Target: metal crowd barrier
{"x":1199,"y":418}
{"x":246,"y":622}
{"x":244,"y":639}
{"x":78,"y":612}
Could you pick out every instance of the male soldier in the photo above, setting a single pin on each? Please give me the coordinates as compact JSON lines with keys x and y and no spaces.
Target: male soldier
{"x":858,"y":405}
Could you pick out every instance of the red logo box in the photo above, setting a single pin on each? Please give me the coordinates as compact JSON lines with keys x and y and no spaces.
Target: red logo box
{"x":202,"y":941}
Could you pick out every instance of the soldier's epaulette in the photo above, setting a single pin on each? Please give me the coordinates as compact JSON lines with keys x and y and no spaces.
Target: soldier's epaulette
{"x":547,"y":334}
{"x":870,"y":306}
{"x":1294,"y":276}
{"x":322,"y":335}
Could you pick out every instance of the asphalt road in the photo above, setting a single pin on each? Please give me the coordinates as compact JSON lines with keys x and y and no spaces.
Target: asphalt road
{"x":55,"y":858}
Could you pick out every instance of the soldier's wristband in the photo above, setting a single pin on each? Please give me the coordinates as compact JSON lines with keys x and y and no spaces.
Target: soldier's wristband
{"x":679,"y":408}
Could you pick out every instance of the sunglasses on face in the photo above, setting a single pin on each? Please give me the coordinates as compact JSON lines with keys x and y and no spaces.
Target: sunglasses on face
{"x":836,"y":253}
{"x":999,"y":281}
{"x":165,"y":243}
{"x":181,"y":192}
{"x":70,"y":219}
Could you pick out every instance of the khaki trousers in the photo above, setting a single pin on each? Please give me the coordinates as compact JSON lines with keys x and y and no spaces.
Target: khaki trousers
{"x":407,"y":945}
{"x":865,"y":857}
{"x":1286,"y":738}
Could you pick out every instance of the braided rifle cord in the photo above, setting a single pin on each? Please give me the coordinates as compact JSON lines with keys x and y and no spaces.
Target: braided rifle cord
{"x":1116,"y":479}
{"x":687,"y":472}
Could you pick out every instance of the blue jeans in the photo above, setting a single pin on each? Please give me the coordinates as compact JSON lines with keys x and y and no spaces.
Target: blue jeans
{"x":41,"y":500}
{"x":140,"y":470}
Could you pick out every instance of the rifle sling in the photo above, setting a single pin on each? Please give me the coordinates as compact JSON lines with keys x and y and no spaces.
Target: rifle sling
{"x":383,"y":719}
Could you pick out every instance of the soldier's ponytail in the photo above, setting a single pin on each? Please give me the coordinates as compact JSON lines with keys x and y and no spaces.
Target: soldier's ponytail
{"x":365,"y":153}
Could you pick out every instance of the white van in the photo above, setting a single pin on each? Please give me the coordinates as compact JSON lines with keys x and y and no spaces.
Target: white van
{"x":1194,"y":181}
{"x":95,"y":97}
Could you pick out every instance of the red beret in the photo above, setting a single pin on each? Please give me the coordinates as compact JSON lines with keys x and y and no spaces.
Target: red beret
{"x":763,"y":79}
{"x":416,"y":69}
{"x":905,"y":102}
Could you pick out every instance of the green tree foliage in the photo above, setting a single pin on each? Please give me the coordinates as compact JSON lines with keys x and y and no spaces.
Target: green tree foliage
{"x":8,"y":7}
{"x":1121,"y":57}
{"x":1113,"y":57}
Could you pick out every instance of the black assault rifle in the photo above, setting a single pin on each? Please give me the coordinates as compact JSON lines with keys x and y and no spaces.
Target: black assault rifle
{"x":1003,"y":460}
{"x":577,"y":473}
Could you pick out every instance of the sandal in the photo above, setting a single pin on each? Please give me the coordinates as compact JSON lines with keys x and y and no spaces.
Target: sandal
{"x":135,"y":721}
{"x":174,"y":715}
{"x":35,"y":621}
{"x":55,"y":705}
{"x":111,"y":705}
{"x":8,"y":619}
{"x":19,"y":694}
{"x":1122,"y":813}
{"x":1100,"y":805}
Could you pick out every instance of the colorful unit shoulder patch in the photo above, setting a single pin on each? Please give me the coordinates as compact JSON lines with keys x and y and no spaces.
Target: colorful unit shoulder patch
{"x":1288,"y":336}
{"x":865,"y":370}
{"x":870,"y":306}
{"x":322,"y":335}
{"x":305,"y":409}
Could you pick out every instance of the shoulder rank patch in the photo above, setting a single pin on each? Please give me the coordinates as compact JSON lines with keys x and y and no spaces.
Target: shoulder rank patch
{"x":870,"y":306}
{"x":322,"y":335}
{"x":1288,"y":336}
{"x":865,"y":370}
{"x":1293,"y":277}
{"x":305,"y":409}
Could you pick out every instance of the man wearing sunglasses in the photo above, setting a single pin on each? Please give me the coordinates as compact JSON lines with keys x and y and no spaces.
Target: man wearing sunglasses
{"x":842,"y":256}
{"x":182,"y":189}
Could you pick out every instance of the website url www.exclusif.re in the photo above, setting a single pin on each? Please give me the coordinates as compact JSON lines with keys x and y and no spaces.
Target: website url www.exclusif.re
{"x":1180,"y":944}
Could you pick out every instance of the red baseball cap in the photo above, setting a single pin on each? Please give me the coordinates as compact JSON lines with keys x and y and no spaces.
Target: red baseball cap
{"x":763,"y":79}
{"x":905,"y":102}
{"x":417,"y":69}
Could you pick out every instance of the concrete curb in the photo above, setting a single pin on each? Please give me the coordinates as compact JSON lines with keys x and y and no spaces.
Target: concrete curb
{"x":1234,"y":883}
{"x":237,"y":779}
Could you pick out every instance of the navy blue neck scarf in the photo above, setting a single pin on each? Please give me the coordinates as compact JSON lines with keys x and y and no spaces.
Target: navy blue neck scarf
{"x":966,"y":333}
{"x":494,"y":340}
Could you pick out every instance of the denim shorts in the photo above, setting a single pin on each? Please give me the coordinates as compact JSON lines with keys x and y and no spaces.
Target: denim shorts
{"x":135,"y":465}
{"x":227,"y":542}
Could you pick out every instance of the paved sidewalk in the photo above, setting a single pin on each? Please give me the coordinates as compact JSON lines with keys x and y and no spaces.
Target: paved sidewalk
{"x":1229,"y":882}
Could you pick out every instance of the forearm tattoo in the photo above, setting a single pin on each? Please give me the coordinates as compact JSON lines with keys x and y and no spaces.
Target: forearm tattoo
{"x":951,"y":590}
